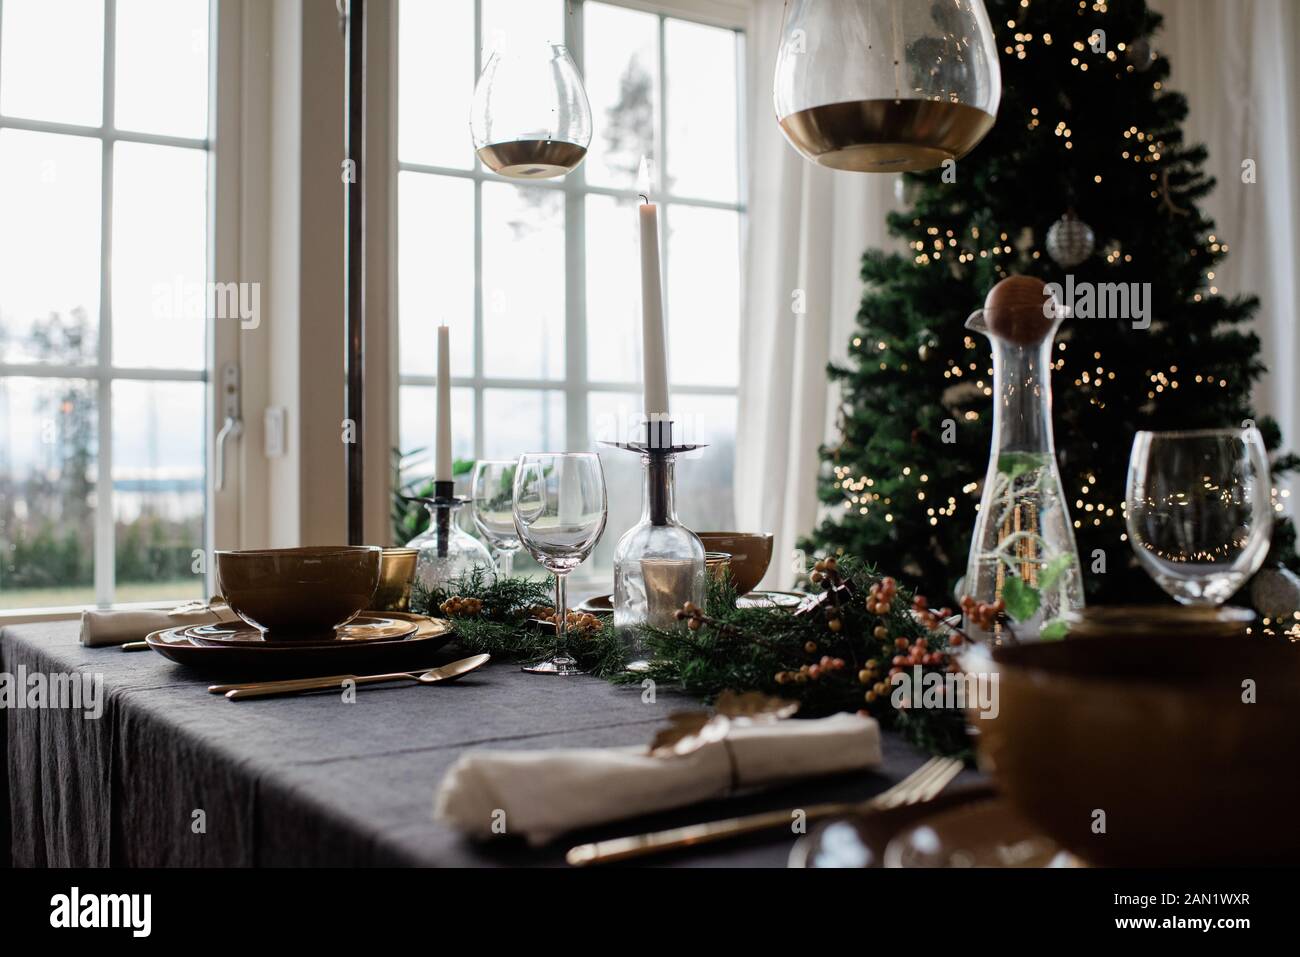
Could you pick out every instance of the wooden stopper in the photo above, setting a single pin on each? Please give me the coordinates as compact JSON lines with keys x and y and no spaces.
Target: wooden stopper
{"x":1020,"y":309}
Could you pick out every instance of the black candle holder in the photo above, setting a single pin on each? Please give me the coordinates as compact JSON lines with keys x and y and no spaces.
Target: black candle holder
{"x":659,"y":450}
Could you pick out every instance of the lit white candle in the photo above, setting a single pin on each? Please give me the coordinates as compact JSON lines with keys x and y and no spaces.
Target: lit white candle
{"x":654,"y":360}
{"x":442,"y":448}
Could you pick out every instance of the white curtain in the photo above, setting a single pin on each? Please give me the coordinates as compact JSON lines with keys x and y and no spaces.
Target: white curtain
{"x":808,"y":227}
{"x":1238,"y":61}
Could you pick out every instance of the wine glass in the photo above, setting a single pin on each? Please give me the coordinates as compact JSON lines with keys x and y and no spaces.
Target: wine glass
{"x":1199,"y":510}
{"x":492,"y":502}
{"x":560,"y":509}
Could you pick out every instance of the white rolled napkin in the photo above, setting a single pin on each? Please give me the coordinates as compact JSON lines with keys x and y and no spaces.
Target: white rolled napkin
{"x":105,"y":627}
{"x":546,"y":793}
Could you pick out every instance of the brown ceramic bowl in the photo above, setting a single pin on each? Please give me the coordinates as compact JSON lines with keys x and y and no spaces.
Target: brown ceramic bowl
{"x":396,"y":572}
{"x":1153,"y":731}
{"x":298,"y":594}
{"x":751,"y":553}
{"x":1102,"y":620}
{"x":717,"y":564}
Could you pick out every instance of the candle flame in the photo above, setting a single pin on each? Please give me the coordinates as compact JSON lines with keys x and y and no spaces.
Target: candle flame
{"x":643,"y":179}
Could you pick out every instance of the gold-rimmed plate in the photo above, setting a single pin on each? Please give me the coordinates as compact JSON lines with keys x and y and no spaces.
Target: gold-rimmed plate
{"x":365,"y":627}
{"x":604,"y":604}
{"x":302,"y":660}
{"x":770,"y":599}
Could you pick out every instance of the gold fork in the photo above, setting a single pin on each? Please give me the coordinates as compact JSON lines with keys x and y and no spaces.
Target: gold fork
{"x":921,"y":785}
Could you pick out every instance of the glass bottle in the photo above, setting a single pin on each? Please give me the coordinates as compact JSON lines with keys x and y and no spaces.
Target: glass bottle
{"x":658,"y":564}
{"x":886,"y":85}
{"x":447,"y":551}
{"x":1023,"y":551}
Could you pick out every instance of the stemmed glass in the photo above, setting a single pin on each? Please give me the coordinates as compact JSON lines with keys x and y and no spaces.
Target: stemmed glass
{"x":492,"y":498}
{"x":560,"y":509}
{"x":1199,"y":510}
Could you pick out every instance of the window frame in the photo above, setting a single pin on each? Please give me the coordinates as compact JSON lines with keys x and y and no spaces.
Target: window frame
{"x":577,"y":385}
{"x":218,"y":511}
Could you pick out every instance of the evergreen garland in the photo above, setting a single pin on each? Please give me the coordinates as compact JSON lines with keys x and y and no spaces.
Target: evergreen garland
{"x":795,"y":654}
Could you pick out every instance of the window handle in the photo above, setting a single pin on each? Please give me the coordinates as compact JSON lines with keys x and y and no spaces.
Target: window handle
{"x":233,"y":426}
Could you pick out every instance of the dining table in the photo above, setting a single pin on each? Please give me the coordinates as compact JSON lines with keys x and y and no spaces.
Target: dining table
{"x":167,"y":774}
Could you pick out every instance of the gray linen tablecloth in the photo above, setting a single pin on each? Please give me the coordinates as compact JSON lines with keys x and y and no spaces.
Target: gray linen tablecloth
{"x":310,"y":780}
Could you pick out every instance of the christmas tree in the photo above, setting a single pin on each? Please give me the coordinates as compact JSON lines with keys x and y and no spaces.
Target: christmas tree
{"x":1086,"y":173}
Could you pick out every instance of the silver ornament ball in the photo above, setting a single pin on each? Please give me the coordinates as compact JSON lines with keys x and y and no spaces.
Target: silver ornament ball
{"x":1070,"y":241}
{"x":1275,"y":593}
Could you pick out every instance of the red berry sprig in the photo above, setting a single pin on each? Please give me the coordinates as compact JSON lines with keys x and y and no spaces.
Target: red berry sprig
{"x":981,"y":614}
{"x":813,"y":672}
{"x":880,"y":596}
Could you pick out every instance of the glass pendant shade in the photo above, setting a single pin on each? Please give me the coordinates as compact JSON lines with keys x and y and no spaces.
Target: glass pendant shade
{"x":530,"y":117}
{"x":886,"y":86}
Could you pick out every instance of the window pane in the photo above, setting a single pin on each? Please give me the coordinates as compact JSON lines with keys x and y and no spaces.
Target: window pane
{"x":158,"y":460}
{"x":435,"y":271}
{"x":159,"y":256}
{"x":701,"y":81}
{"x":520,"y":420}
{"x":611,"y":417}
{"x":49,"y":247}
{"x":435,"y":82}
{"x":52,"y":60}
{"x":523,"y":281}
{"x":521,"y":22}
{"x":621,"y":67}
{"x":705,"y":498}
{"x":703,"y":296}
{"x":47,"y":492}
{"x":613,"y":291}
{"x":419,"y":425}
{"x":162,"y":67}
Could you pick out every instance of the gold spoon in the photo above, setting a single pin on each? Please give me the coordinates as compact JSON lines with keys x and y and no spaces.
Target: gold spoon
{"x":267,"y":689}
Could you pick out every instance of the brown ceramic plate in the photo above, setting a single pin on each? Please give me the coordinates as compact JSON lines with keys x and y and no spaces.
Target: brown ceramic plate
{"x":978,"y":834}
{"x":964,"y":827}
{"x":387,"y":627}
{"x":597,"y":605}
{"x":417,"y":650}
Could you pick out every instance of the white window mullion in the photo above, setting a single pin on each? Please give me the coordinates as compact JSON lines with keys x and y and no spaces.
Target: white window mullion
{"x":575,"y":273}
{"x":478,"y":398}
{"x":105,"y":546}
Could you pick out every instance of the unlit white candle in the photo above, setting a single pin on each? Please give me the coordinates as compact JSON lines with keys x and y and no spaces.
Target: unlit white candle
{"x":654,"y":361}
{"x":442,"y":448}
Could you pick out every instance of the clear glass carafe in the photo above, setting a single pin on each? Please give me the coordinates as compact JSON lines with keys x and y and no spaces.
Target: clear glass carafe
{"x":1023,"y":552}
{"x":658,"y":564}
{"x":447,"y":551}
